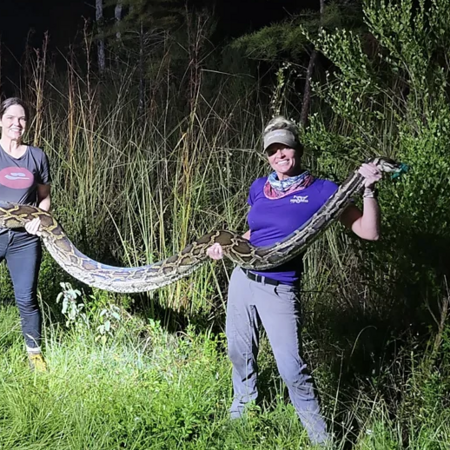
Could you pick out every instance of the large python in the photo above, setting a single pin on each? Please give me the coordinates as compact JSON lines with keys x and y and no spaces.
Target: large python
{"x":162,"y":273}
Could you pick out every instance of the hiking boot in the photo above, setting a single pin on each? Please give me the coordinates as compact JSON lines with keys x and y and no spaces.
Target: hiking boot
{"x":37,"y":362}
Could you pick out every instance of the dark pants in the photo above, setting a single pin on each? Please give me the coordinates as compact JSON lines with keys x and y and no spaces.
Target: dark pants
{"x":250,"y":304}
{"x":22,"y":252}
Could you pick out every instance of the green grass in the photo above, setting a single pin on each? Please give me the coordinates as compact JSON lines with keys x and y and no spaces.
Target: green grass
{"x":145,"y":388}
{"x":132,"y":189}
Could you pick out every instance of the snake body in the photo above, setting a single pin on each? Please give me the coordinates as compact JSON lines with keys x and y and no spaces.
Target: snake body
{"x":162,"y":273}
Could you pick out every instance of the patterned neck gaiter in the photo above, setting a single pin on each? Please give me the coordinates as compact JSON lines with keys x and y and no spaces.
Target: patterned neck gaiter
{"x":275,"y":188}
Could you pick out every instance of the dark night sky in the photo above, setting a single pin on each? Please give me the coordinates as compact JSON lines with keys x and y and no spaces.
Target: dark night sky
{"x":63,"y":19}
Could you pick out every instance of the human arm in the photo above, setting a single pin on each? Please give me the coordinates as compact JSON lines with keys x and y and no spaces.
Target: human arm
{"x":44,"y":198}
{"x":43,"y":202}
{"x":365,"y":223}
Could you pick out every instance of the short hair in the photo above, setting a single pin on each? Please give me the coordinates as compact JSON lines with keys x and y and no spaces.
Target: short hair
{"x":11,"y":101}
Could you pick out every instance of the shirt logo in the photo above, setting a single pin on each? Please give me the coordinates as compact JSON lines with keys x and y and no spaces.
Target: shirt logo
{"x":300,"y":199}
{"x":16,"y":178}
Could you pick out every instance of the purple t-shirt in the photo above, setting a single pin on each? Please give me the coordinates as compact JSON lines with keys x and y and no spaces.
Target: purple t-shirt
{"x":271,"y":221}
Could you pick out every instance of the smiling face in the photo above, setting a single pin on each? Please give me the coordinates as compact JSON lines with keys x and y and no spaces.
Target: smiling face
{"x":284,"y":160}
{"x":13,"y":123}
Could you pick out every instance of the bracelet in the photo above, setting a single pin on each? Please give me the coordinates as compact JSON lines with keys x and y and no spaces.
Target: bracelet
{"x":370,"y":193}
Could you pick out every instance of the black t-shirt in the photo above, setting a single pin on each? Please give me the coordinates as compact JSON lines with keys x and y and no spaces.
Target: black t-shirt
{"x":19,"y":177}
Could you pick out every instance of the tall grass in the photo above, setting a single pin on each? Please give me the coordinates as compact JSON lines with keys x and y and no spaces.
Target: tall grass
{"x":133,"y":183}
{"x":149,"y":389}
{"x":130,"y":190}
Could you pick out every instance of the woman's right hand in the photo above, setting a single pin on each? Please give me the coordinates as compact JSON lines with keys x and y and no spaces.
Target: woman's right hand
{"x":215,"y":251}
{"x":33,"y":227}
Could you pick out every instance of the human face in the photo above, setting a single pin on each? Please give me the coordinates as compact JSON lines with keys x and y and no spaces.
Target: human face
{"x":13,"y":123}
{"x":284,"y":160}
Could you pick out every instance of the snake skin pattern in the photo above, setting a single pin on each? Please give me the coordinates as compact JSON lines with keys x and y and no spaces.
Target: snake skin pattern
{"x":162,"y":273}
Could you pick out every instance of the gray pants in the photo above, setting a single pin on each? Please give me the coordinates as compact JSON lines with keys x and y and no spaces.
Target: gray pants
{"x":251,"y":303}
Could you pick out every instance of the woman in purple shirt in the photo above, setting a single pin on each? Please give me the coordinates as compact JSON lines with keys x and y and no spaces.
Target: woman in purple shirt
{"x":280,"y":204}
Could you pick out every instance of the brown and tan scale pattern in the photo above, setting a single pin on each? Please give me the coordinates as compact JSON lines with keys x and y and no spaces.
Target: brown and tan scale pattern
{"x":162,"y":273}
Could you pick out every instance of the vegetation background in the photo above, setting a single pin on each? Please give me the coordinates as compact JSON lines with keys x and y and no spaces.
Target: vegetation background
{"x":153,"y":129}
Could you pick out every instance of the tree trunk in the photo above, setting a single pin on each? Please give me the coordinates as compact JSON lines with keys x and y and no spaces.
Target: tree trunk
{"x":118,"y":17}
{"x":312,"y":62}
{"x":141,"y":72}
{"x":307,"y":92}
{"x":101,"y":39}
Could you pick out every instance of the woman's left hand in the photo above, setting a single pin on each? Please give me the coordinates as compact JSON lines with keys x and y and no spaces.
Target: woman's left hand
{"x":371,"y":173}
{"x":33,"y":226}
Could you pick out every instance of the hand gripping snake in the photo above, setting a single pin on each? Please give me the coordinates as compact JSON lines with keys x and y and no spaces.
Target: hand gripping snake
{"x":162,"y":273}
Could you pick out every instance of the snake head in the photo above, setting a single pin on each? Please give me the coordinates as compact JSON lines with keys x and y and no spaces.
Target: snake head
{"x":389,"y":166}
